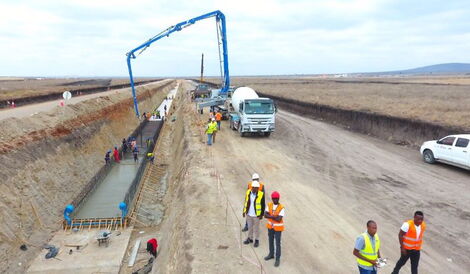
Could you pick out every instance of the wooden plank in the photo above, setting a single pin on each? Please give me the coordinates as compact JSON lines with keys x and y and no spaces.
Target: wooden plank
{"x":134,"y":253}
{"x":136,"y":220}
{"x":36,"y":213}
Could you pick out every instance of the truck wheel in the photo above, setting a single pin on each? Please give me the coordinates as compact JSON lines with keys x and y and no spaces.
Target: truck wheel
{"x":267,"y":134}
{"x":242,"y":134}
{"x":428,"y":157}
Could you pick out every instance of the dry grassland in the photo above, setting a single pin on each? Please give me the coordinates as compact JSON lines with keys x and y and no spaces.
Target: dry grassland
{"x":439,"y":100}
{"x":13,"y":88}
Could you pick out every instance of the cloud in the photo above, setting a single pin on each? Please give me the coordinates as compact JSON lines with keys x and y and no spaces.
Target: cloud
{"x":90,"y":38}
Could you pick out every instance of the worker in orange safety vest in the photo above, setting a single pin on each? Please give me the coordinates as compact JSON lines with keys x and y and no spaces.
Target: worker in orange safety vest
{"x":411,"y":240}
{"x":218,"y":118}
{"x":274,"y":215}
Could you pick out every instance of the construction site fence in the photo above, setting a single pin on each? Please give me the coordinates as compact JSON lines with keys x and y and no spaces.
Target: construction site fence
{"x":130,"y":194}
{"x":75,"y":92}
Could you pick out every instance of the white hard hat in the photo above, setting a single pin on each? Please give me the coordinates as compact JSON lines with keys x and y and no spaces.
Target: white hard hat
{"x":255,"y":176}
{"x":254,"y":184}
{"x":213,"y":119}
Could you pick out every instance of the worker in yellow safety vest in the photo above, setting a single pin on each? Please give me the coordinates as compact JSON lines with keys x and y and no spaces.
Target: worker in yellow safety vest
{"x":367,"y":249}
{"x":253,"y":211}
{"x":151,"y":157}
{"x":210,"y":129}
{"x":214,"y":126}
{"x":411,"y":240}
{"x":275,"y":216}
{"x":254,"y":177}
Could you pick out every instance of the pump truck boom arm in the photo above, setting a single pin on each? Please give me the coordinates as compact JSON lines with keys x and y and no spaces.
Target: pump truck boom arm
{"x":220,"y":21}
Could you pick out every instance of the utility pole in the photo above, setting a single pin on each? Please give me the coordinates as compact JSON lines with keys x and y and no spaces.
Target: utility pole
{"x":202,"y":66}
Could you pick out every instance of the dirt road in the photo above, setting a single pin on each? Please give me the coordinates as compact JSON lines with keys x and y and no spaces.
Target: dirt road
{"x":332,"y":181}
{"x":30,"y":110}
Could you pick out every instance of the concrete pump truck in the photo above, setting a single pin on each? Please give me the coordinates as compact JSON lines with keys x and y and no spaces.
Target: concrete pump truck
{"x":248,"y":112}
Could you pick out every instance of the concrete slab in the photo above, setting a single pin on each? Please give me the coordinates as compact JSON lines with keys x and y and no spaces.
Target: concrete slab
{"x":91,"y":259}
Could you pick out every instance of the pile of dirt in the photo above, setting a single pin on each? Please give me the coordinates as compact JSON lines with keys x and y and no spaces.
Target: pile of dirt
{"x":47,"y":159}
{"x":194,"y":230}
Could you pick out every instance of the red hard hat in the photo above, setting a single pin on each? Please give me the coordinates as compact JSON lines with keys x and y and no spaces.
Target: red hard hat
{"x":275,"y":194}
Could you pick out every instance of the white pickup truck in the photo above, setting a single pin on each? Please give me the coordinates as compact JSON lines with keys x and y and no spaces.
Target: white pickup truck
{"x":452,"y":149}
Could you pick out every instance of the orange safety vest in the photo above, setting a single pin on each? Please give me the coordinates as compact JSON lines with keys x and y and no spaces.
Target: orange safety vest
{"x":218,"y":116}
{"x":410,"y":241}
{"x":261,"y":186}
{"x":272,"y":224}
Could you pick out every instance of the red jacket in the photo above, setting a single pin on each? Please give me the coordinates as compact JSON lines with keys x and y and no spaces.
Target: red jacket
{"x":154,"y":244}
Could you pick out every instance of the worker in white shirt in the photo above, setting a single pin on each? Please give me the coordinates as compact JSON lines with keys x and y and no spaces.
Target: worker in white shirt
{"x":253,"y":210}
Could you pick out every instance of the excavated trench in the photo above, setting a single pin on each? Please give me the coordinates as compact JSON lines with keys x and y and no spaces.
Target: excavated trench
{"x":103,"y":201}
{"x":48,"y":161}
{"x":401,"y":131}
{"x":397,"y":130}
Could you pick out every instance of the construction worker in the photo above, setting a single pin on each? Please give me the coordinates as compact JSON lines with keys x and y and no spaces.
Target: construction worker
{"x":150,"y":157}
{"x":410,"y":238}
{"x":107,"y":157}
{"x":149,"y":142}
{"x":367,"y":249}
{"x":274,"y":214}
{"x":133,"y":143}
{"x":124,"y":145}
{"x":254,"y":177}
{"x":214,"y":125}
{"x":218,"y":118}
{"x":116,"y":155}
{"x":152,"y":246}
{"x":135,"y":152}
{"x":253,"y":210}
{"x":209,"y":131}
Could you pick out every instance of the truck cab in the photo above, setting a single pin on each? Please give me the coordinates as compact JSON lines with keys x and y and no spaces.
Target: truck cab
{"x":254,"y":116}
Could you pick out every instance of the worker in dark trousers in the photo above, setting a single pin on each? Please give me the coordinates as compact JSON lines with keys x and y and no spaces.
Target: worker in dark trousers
{"x":152,"y":246}
{"x":151,"y":157}
{"x":124,"y":146}
{"x":135,"y":152}
{"x":367,"y":249}
{"x":274,"y":214}
{"x":410,"y":238}
{"x":254,"y":177}
{"x":107,"y":157}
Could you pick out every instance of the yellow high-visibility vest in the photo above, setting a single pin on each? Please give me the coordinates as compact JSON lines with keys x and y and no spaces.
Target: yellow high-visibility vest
{"x":257,"y":202}
{"x":368,"y":252}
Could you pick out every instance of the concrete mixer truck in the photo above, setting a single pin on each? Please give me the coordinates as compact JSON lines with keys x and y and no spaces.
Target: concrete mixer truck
{"x":251,"y":114}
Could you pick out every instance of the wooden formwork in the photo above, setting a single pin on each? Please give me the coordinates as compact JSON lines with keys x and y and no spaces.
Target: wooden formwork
{"x":99,"y":223}
{"x":150,"y":176}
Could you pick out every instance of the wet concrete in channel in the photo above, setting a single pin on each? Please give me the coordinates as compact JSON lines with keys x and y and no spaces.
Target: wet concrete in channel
{"x":105,"y":199}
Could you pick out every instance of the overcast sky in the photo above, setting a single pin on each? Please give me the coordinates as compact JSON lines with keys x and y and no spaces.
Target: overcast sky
{"x":91,"y":37}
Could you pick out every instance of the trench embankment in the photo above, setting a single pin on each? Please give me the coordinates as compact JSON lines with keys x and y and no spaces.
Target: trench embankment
{"x":397,"y":130}
{"x":48,"y":159}
{"x":22,"y":101}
